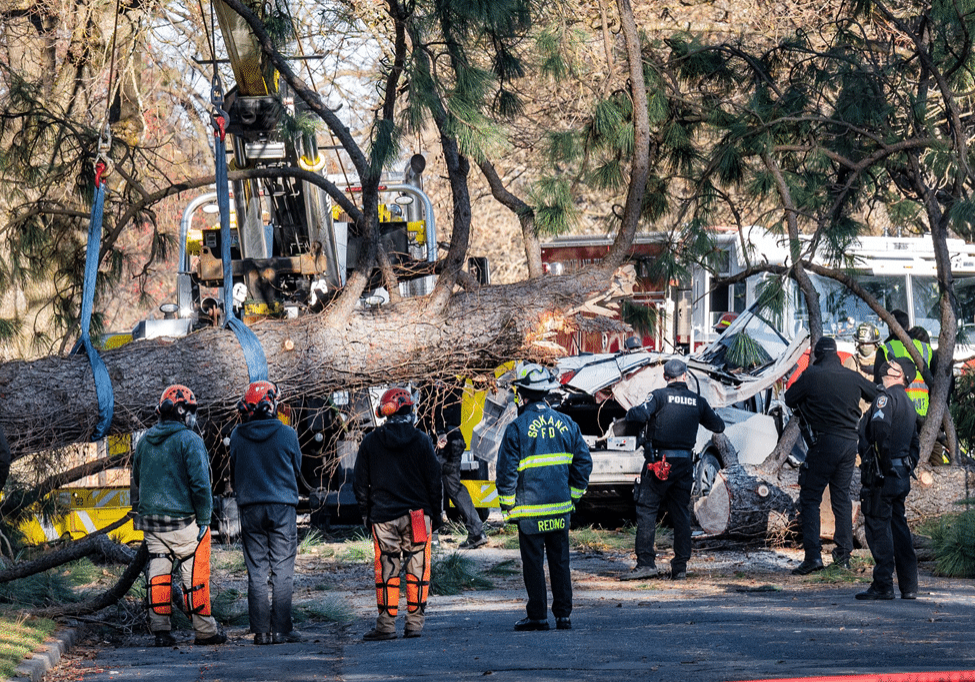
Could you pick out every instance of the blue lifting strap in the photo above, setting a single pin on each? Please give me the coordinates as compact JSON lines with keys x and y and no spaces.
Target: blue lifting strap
{"x":253,"y":351}
{"x":103,"y":383}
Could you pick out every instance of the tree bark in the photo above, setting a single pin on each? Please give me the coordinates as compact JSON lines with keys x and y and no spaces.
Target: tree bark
{"x":51,"y":402}
{"x":742,"y":504}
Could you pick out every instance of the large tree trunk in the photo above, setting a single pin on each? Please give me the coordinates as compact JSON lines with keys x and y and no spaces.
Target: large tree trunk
{"x":51,"y":402}
{"x":744,"y":504}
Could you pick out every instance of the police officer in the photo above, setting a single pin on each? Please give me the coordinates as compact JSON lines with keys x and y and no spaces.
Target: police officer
{"x":827,"y":395}
{"x":889,"y":452}
{"x":672,"y":415}
{"x":543,"y":469}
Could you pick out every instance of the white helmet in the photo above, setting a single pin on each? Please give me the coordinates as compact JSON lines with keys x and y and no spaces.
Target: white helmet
{"x":534,"y":377}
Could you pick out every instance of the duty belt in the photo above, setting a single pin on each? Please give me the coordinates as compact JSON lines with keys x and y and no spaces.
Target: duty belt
{"x":675,"y":454}
{"x":900,"y":462}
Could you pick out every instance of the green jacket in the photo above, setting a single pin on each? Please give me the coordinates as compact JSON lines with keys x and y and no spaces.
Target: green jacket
{"x":171,"y":474}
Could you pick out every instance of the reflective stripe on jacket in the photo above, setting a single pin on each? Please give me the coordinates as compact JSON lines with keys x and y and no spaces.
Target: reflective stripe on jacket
{"x":543,"y":464}
{"x":918,"y":390}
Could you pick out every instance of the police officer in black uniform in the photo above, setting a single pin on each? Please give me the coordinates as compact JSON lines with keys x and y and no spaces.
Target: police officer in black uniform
{"x":827,"y":396}
{"x":672,"y":415}
{"x":889,"y":451}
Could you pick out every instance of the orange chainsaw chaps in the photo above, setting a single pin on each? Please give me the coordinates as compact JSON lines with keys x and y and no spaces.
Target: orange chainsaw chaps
{"x":418,"y":586}
{"x":387,"y":591}
{"x":161,"y":594}
{"x":198,"y":593}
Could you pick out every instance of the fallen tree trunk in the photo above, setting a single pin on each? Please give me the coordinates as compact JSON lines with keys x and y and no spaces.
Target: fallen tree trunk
{"x":105,"y":599}
{"x":51,"y":402}
{"x":742,"y":504}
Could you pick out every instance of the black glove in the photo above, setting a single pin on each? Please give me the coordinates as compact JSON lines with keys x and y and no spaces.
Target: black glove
{"x":203,"y":531}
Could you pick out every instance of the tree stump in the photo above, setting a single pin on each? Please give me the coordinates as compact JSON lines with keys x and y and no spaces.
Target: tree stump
{"x":743,"y":504}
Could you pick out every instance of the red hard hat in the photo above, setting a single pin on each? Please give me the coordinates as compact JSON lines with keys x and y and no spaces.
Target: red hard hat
{"x":392,"y":401}
{"x":174,"y":396}
{"x":260,"y":397}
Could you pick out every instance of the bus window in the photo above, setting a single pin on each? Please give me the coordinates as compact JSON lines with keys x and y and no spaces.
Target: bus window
{"x":843,"y":311}
{"x":927,"y":311}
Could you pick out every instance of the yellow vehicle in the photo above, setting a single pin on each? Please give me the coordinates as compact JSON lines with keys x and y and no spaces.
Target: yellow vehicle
{"x":83,"y":511}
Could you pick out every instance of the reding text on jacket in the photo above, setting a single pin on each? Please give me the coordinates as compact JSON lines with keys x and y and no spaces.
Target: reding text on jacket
{"x":548,"y":525}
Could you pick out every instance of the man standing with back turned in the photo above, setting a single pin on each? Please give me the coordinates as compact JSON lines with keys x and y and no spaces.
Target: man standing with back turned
{"x":170,"y":491}
{"x":266,"y":459}
{"x":673,"y":415}
{"x":397,"y":486}
{"x":827,"y":396}
{"x":543,"y":470}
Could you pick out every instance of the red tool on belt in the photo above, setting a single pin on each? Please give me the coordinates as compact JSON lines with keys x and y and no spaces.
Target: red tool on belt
{"x":660,"y":469}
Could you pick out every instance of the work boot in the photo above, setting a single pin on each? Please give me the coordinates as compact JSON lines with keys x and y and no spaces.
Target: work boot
{"x":293,"y":637}
{"x":875,"y":595}
{"x":262,"y":638}
{"x":409,"y":633}
{"x":563,"y":623}
{"x":678,"y":575}
{"x":473,"y":542}
{"x":842,"y":562}
{"x":165,"y":638}
{"x":531,"y":624}
{"x":375,"y":635}
{"x":908,"y":595}
{"x":641,"y":573}
{"x":808,"y":566}
{"x":212,"y":640}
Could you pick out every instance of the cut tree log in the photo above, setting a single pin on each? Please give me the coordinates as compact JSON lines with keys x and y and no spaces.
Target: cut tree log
{"x":51,"y":402}
{"x":743,"y":503}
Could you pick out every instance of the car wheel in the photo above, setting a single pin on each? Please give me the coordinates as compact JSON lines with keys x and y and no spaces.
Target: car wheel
{"x":705,"y":472}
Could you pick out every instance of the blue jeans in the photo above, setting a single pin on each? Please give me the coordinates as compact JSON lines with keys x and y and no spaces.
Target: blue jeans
{"x":270,"y":537}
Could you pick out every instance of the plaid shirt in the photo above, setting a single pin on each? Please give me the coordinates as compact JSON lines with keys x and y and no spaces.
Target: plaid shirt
{"x":161,"y":524}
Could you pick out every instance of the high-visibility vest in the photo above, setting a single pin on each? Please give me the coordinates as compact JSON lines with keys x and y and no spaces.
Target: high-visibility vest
{"x":918,"y":390}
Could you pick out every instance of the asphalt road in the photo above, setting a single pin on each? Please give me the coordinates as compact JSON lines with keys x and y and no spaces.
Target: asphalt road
{"x":708,"y":629}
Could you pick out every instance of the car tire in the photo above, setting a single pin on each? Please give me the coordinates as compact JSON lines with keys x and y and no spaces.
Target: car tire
{"x":705,"y":472}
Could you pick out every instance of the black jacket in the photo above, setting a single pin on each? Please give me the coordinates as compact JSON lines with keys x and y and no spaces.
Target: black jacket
{"x":828,"y":395}
{"x":396,"y":472}
{"x":889,"y":428}
{"x":674,"y":414}
{"x":266,"y":459}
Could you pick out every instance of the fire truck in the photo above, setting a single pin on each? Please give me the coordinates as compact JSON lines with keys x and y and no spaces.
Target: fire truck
{"x":899,"y":271}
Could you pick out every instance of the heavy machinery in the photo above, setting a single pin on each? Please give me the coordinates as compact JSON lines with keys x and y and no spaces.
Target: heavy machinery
{"x":291,"y":249}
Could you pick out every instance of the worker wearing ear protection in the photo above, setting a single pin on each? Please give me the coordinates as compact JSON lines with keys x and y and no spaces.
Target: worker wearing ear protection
{"x":397,"y":486}
{"x":170,"y":492}
{"x":266,"y":460}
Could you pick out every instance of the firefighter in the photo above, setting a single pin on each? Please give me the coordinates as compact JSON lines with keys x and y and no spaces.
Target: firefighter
{"x":672,"y":416}
{"x":892,"y":348}
{"x":397,"y":486}
{"x":542,"y":471}
{"x":889,"y":452}
{"x":171,"y":495}
{"x":266,"y":461}
{"x":827,"y":396}
{"x":867,"y":343}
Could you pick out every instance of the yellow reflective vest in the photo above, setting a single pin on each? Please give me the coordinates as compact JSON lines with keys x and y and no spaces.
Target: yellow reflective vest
{"x":918,"y":390}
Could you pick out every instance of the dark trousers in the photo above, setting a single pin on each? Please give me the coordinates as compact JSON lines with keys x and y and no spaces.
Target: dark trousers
{"x":533,"y":550}
{"x":270,"y":537}
{"x":674,"y":495}
{"x":829,"y":462}
{"x":887,"y":533}
{"x":457,"y":493}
